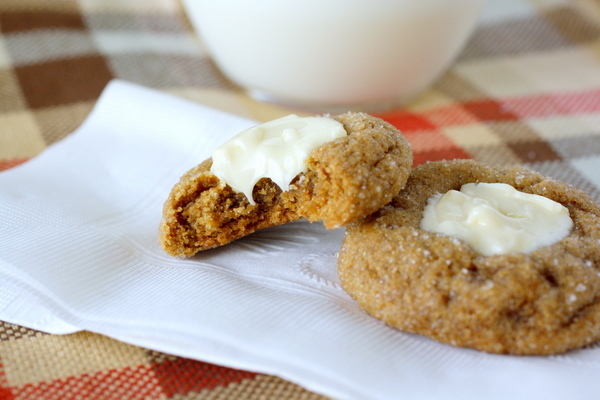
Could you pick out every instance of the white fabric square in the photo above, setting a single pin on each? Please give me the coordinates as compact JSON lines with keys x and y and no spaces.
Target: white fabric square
{"x":45,"y":45}
{"x":110,"y":42}
{"x":568,"y":70}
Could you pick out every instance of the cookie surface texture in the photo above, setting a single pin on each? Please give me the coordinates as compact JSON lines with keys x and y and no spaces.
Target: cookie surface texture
{"x":347,"y":179}
{"x":543,"y":302}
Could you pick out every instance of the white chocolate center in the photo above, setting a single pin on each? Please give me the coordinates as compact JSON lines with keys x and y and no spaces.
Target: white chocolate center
{"x":277,"y":150}
{"x":495,"y":218}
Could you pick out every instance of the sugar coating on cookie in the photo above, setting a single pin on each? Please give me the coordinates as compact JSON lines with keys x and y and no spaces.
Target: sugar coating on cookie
{"x":543,"y":302}
{"x":346,"y":179}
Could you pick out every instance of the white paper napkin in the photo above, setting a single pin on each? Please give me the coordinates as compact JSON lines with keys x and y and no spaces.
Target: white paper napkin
{"x":79,"y":250}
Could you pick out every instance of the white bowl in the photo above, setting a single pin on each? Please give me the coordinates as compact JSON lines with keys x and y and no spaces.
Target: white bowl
{"x":328,"y":54}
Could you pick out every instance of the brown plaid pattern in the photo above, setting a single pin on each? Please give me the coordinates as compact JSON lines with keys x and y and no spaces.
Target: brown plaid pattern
{"x":84,"y":365}
{"x":525,"y":91}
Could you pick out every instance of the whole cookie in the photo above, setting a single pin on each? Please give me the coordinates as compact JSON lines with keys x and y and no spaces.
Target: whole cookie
{"x":347,"y":179}
{"x":543,"y":302}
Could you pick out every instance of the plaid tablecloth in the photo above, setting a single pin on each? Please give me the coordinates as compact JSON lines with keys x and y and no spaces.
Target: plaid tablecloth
{"x":525,"y":91}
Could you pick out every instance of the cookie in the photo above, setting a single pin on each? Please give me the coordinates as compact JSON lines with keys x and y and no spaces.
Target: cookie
{"x":347,"y":179}
{"x":543,"y":302}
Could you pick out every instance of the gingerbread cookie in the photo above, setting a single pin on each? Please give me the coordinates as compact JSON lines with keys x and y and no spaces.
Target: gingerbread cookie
{"x":346,"y":179}
{"x":542,"y":302}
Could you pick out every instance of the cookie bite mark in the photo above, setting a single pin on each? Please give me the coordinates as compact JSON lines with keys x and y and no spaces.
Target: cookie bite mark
{"x":276,"y":150}
{"x":202,"y":212}
{"x":544,"y":301}
{"x":345,"y":179}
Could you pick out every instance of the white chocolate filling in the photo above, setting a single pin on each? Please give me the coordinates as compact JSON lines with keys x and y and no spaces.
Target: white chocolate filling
{"x":495,"y":218}
{"x":277,"y":150}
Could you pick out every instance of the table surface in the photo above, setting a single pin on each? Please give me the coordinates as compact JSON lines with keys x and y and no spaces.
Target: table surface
{"x":525,"y":91}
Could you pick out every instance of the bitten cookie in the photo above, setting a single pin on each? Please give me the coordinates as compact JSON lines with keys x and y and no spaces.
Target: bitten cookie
{"x":543,"y":302}
{"x":347,"y":179}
